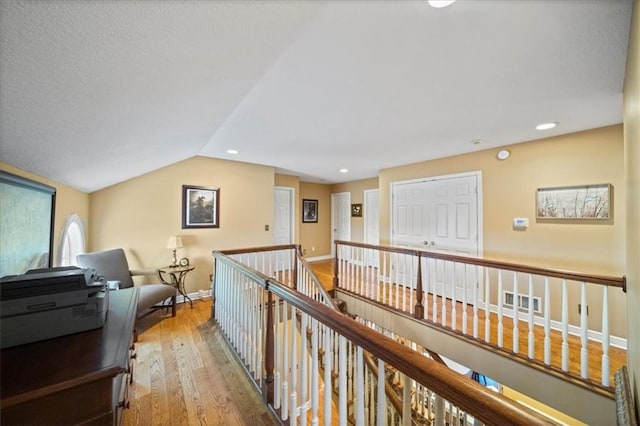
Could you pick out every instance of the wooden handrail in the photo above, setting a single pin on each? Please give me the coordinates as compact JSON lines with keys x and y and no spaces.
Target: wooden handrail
{"x":611,"y":281}
{"x":316,"y":282}
{"x":486,"y":405}
{"x":258,"y":249}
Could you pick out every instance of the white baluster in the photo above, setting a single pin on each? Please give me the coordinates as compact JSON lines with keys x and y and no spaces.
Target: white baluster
{"x":342,"y":379}
{"x":443,"y":295}
{"x":293,"y":405}
{"x":547,"y":322}
{"x":285,"y":362}
{"x":304,"y":368}
{"x":516,"y":315}
{"x":454,"y":311}
{"x":434,"y":295}
{"x":464,"y":299}
{"x":475,"y":283}
{"x":531,"y":335}
{"x":328,"y":353}
{"x":487,"y":307}
{"x":605,"y":335}
{"x":278,"y":353}
{"x":359,"y":387}
{"x":584,"y":326}
{"x":565,"y":327}
{"x":381,"y":417}
{"x":406,"y":400}
{"x":440,"y":411}
{"x":500,"y":307}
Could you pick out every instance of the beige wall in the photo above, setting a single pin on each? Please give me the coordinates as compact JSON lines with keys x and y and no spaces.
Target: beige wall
{"x":68,"y":202}
{"x":356,"y":189}
{"x":509,"y":189}
{"x":632,"y":170}
{"x":315,"y":238}
{"x":141,"y":213}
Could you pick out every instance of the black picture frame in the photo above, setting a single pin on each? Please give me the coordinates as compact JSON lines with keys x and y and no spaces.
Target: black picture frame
{"x":356,"y":210}
{"x":309,"y":211}
{"x":200,"y":207}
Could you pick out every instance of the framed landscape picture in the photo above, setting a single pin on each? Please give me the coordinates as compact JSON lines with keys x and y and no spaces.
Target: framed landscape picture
{"x":583,"y":202}
{"x":200,"y":207}
{"x":309,"y":211}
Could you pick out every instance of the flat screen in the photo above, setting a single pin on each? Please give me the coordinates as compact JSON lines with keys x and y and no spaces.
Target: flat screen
{"x":27,"y":210}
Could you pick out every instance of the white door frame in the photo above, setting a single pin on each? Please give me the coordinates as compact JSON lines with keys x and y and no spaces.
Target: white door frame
{"x":334,"y":216}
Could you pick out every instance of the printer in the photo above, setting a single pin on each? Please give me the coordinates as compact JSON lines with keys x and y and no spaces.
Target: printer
{"x":51,"y":302}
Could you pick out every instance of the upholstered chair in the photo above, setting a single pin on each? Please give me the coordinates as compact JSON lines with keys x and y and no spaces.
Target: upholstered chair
{"x":113,"y":266}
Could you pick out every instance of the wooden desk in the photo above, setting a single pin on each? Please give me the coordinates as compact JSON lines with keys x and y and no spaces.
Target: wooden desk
{"x":78,"y":378}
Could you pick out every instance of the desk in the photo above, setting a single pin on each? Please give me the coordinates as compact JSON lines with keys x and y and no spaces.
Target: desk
{"x":175,"y":275}
{"x":74,"y":379}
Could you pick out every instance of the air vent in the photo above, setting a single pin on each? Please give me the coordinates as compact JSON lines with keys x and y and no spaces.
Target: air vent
{"x":523,"y":302}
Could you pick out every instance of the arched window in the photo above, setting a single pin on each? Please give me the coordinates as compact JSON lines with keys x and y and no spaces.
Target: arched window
{"x":72,"y":241}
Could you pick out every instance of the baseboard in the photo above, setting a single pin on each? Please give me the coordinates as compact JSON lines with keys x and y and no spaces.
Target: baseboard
{"x":317,"y":258}
{"x":201,"y":294}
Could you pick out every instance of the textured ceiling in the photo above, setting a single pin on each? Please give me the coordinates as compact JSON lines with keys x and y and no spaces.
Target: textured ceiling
{"x":94,"y":93}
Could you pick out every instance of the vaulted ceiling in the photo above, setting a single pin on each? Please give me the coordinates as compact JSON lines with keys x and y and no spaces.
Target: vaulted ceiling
{"x":94,"y":93}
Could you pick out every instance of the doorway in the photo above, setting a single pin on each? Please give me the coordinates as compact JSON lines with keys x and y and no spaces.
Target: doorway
{"x":340,"y":219}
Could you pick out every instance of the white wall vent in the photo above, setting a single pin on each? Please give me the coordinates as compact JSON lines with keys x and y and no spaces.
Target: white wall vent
{"x":523,"y":301}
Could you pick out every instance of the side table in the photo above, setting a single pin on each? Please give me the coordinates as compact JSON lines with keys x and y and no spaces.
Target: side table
{"x":175,"y":275}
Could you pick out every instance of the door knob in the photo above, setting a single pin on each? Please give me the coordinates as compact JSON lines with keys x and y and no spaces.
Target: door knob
{"x":432,"y":243}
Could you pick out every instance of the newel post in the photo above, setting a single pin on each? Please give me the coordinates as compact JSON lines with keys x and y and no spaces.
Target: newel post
{"x":418,"y":312}
{"x":267,"y":387}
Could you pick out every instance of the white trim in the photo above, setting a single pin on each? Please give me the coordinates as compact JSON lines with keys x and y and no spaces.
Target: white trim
{"x":198,"y":295}
{"x":333,"y":218}
{"x":317,"y":258}
{"x":596,"y":336}
{"x":73,"y":218}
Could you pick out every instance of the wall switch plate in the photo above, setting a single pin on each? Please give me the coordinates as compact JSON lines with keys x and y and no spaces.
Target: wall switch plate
{"x":266,"y":227}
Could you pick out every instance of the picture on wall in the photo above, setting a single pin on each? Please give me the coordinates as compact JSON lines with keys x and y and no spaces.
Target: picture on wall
{"x":200,"y":207}
{"x":356,"y":210}
{"x":574,"y":202}
{"x":309,"y":211}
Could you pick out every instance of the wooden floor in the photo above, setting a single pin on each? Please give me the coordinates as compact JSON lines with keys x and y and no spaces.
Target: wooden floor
{"x":185,"y":374}
{"x":618,"y":357}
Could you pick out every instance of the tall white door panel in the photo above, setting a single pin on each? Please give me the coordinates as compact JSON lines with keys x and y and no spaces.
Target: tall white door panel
{"x":283,"y":222}
{"x":340,"y":218}
{"x":440,"y":214}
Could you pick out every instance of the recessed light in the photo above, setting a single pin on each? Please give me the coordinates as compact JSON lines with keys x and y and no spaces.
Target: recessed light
{"x":344,"y":170}
{"x":232,"y":151}
{"x":438,"y":4}
{"x":547,"y":126}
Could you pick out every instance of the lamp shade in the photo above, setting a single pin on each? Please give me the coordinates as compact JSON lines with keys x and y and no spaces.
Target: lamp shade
{"x":174,"y":242}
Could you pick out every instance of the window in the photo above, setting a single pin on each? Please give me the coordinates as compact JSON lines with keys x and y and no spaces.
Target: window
{"x":72,"y":241}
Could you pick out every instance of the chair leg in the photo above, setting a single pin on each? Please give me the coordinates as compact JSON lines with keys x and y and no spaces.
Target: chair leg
{"x":173,"y":306}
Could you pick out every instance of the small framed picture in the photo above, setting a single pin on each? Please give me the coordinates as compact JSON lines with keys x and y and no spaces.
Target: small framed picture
{"x":309,"y":211}
{"x":200,"y":207}
{"x":356,"y":210}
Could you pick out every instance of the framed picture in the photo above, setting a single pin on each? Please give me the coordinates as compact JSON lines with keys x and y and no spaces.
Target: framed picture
{"x":585,"y":202}
{"x":356,"y":210}
{"x":309,"y":211}
{"x":200,"y":207}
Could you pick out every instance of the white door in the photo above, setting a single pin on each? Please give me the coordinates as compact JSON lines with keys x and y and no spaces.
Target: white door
{"x":283,"y":222}
{"x":372,"y":223}
{"x":340,"y":218}
{"x":440,"y":214}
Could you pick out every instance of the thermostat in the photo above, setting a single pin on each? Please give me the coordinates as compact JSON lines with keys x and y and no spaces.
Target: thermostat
{"x":520,"y":223}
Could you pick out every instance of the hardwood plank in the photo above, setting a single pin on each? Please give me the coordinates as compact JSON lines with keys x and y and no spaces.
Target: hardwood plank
{"x":184,"y":373}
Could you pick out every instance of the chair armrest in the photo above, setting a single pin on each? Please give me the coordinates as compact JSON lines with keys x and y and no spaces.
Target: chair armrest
{"x":148,"y":271}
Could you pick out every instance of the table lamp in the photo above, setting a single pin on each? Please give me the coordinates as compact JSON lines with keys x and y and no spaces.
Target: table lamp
{"x":174,"y":243}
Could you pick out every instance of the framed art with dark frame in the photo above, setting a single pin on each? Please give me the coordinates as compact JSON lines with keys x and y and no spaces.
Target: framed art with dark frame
{"x":356,"y":210}
{"x":309,"y":211}
{"x":200,"y":207}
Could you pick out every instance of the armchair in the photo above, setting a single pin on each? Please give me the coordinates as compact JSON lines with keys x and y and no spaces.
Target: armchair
{"x":113,"y":266}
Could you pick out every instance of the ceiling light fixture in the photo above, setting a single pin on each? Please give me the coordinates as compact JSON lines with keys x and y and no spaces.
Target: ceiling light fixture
{"x":503,"y":154}
{"x":232,"y":151}
{"x":344,"y":170}
{"x":547,"y":126}
{"x":439,"y":4}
